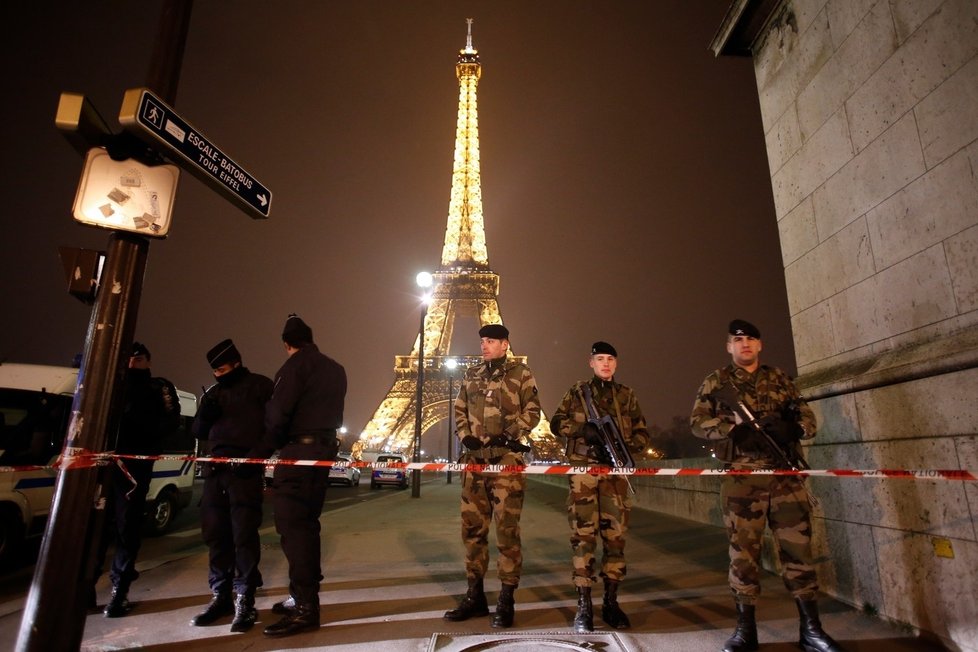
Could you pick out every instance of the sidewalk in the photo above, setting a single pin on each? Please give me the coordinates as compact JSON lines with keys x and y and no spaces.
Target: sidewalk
{"x":394,"y":566}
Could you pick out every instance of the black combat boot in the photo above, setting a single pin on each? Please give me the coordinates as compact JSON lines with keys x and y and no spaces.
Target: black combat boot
{"x":472,"y":604}
{"x":304,"y":618}
{"x":245,"y":613}
{"x":745,"y":636}
{"x":119,"y":604}
{"x":219,"y":606}
{"x":584,"y":620}
{"x":285,"y":607}
{"x":811,"y":637}
{"x":611,"y":613}
{"x":504,"y":607}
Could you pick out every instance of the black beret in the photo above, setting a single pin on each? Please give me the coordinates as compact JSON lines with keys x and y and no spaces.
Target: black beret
{"x":224,"y":353}
{"x":603,"y":347}
{"x":138,"y":348}
{"x":741,"y":327}
{"x":296,"y":331}
{"x":494,"y":332}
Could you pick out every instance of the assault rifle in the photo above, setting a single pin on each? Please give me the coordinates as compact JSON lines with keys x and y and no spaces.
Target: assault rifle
{"x":615,"y":451}
{"x":728,"y":396}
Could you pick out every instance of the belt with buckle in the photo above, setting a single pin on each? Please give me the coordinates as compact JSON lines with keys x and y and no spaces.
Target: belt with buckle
{"x":489,"y":455}
{"x":320,"y":438}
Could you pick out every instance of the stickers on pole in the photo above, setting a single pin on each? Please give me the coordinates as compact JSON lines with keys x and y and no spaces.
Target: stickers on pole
{"x":126,"y":195}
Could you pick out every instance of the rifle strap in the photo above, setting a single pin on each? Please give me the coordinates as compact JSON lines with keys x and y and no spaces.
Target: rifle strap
{"x":584,"y":393}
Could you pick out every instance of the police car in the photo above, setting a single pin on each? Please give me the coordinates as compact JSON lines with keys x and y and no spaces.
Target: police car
{"x":395,"y":476}
{"x":35,"y":407}
{"x":342,"y":473}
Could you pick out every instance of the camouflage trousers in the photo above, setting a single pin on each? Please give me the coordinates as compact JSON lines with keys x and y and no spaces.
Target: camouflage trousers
{"x":781,"y":502}
{"x":598,"y":505}
{"x":496,"y":497}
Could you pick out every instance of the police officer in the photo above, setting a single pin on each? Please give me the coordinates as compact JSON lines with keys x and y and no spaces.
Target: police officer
{"x":599,"y":505}
{"x":302,"y":417}
{"x":750,"y":501}
{"x":496,"y":408}
{"x":151,"y":411}
{"x":231,"y":417}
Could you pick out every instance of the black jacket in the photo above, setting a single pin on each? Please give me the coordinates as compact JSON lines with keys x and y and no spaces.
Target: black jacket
{"x":232,"y":413}
{"x":150,"y":411}
{"x":308,"y":399}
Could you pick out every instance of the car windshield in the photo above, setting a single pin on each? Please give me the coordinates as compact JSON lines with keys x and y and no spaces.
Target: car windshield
{"x":32,"y":425}
{"x":389,"y":458}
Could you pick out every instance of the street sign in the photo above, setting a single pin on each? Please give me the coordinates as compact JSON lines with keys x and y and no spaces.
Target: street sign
{"x":126,"y":195}
{"x":144,"y":114}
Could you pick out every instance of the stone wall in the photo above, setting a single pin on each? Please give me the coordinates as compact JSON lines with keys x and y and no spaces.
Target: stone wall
{"x":870,"y":120}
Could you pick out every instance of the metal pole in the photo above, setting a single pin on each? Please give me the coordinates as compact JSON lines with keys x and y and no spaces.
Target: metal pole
{"x":55,"y":611}
{"x":451,"y":420}
{"x":416,"y":474}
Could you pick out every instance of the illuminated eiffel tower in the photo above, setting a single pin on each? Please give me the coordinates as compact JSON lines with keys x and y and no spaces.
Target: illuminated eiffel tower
{"x":463,"y":285}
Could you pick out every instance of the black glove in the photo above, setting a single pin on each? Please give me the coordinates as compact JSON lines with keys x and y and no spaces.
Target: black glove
{"x":599,"y":453}
{"x":209,"y":410}
{"x":499,"y":441}
{"x":747,"y":441}
{"x":590,"y":433}
{"x":517,"y":446}
{"x":471,"y":442}
{"x":782,"y":431}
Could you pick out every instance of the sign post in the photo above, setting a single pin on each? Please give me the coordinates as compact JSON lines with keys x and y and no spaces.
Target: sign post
{"x":146,"y":116}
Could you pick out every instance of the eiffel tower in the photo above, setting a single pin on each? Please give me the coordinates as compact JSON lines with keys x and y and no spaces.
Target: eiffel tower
{"x":463,"y":285}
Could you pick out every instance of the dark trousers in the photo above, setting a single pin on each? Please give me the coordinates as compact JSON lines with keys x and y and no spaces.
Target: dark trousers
{"x":230,"y":516}
{"x":124,"y":522}
{"x":299,"y":496}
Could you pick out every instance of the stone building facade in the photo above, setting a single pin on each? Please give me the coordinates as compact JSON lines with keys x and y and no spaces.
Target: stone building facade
{"x":870,"y":116}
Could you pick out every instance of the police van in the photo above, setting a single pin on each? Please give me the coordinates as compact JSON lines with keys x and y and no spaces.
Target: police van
{"x":35,"y":407}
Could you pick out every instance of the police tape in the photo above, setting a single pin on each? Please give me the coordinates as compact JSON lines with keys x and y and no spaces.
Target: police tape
{"x":78,"y":458}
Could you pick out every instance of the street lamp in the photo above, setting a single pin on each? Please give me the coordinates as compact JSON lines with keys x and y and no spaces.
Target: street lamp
{"x":451,"y":365}
{"x":424,"y":282}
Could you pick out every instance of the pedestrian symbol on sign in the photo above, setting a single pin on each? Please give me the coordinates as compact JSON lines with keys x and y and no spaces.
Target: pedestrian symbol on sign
{"x":153,"y":114}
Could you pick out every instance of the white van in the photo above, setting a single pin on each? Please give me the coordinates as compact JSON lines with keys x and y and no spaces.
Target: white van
{"x":35,"y":406}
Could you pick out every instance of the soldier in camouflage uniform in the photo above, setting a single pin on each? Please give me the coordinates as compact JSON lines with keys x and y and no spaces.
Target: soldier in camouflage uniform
{"x":750,"y":501}
{"x":599,"y":504}
{"x":496,"y":408}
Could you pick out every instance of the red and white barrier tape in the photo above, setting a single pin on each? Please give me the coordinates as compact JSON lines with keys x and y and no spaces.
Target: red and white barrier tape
{"x":77,"y":459}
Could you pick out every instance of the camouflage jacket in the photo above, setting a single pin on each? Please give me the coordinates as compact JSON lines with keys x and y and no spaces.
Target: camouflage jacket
{"x":571,"y":415}
{"x":764,"y":392}
{"x":497,"y":398}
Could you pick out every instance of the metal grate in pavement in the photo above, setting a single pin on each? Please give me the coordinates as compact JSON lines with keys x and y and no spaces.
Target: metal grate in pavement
{"x":523,"y":642}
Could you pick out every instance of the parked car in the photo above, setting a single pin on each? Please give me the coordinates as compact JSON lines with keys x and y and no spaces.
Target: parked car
{"x":35,"y":407}
{"x":395,"y":476}
{"x":341,"y":473}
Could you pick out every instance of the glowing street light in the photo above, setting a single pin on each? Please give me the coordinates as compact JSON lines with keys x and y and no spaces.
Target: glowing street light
{"x":424,"y":280}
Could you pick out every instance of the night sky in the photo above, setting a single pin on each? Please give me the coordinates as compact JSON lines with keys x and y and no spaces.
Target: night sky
{"x":624,"y":177}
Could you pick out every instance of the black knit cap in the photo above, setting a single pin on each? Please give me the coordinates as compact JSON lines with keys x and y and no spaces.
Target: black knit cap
{"x":138,"y":348}
{"x":223,"y":353}
{"x":603,"y":347}
{"x":494,"y":332}
{"x":743,"y":328}
{"x":296,"y":331}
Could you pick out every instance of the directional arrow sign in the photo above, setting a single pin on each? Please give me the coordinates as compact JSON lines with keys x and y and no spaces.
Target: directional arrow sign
{"x":144,"y":115}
